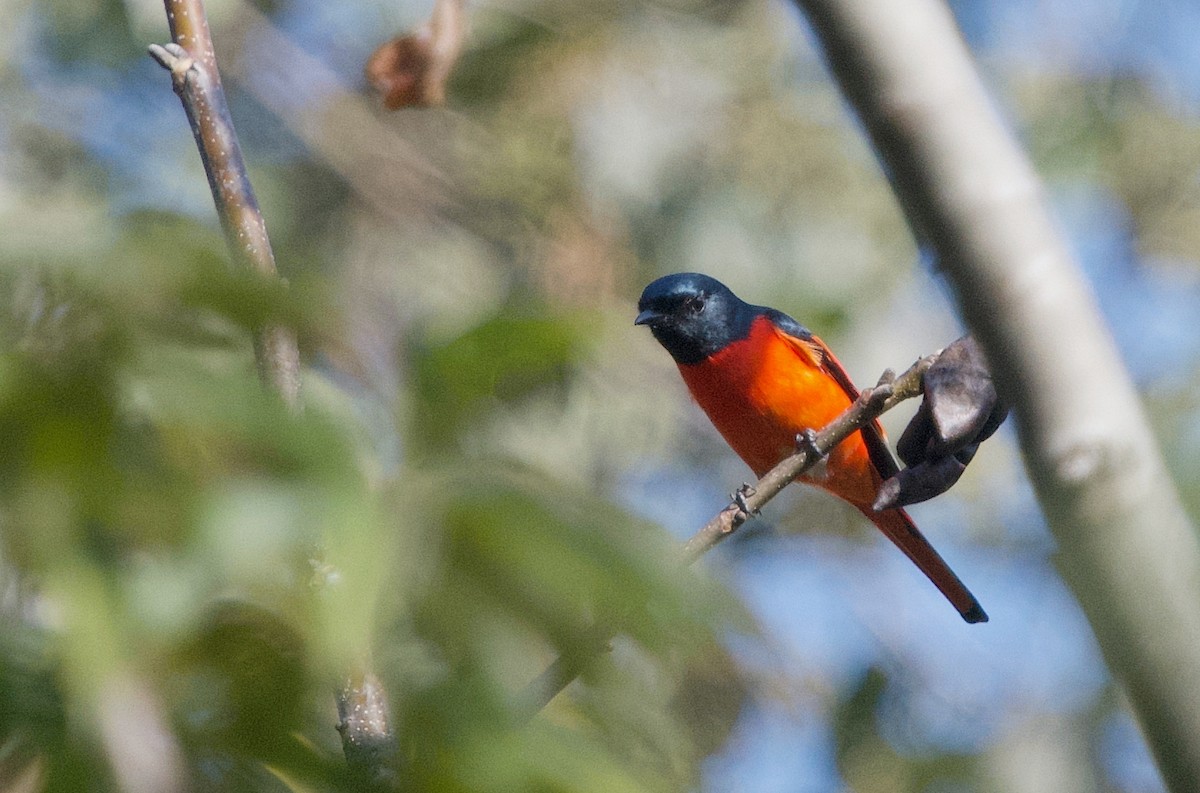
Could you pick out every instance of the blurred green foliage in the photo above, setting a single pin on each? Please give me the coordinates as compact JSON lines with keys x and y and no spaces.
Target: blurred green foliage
{"x":502,"y":359}
{"x":871,"y":764}
{"x":165,"y":519}
{"x":453,"y":503}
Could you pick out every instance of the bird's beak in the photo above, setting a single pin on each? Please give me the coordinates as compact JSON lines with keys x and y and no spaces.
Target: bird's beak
{"x":647,"y":317}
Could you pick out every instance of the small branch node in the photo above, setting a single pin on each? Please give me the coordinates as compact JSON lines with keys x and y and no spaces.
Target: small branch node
{"x":173,"y":58}
{"x":878,"y":395}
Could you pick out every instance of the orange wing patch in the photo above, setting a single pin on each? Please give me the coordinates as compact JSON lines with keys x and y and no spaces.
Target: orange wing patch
{"x":813,"y":350}
{"x":816,"y":352}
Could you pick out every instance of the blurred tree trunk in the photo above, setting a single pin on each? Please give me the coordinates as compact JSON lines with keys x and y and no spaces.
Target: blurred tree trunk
{"x":1127,"y":548}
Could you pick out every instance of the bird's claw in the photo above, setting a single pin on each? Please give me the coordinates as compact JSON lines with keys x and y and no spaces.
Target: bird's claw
{"x":806,"y":441}
{"x":739,"y":498}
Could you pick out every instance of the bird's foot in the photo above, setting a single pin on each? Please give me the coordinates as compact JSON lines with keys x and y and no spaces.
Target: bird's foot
{"x":806,"y":441}
{"x":739,"y":499}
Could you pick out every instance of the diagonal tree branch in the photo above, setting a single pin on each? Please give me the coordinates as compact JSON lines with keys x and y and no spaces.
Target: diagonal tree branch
{"x":870,"y":405}
{"x":368,"y":739}
{"x":1126,"y":546}
{"x":192,"y":62}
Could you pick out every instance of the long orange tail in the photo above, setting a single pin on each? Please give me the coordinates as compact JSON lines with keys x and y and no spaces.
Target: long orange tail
{"x":900,"y":529}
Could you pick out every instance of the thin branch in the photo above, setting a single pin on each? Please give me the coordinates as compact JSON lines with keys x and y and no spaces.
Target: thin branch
{"x":870,"y":405}
{"x":368,"y":740}
{"x":192,"y":62}
{"x":1125,"y":545}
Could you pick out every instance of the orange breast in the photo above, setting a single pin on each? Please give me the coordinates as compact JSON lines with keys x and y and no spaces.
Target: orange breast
{"x":760,"y":393}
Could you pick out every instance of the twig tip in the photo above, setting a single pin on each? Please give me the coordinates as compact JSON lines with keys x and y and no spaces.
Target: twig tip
{"x":171,"y":57}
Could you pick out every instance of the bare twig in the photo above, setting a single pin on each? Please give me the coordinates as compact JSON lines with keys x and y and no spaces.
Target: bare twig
{"x":193,"y":66}
{"x":367,"y":737}
{"x":870,"y":405}
{"x":1125,"y":544}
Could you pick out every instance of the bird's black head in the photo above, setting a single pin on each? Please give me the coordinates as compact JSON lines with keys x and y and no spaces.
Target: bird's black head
{"x":693,"y":315}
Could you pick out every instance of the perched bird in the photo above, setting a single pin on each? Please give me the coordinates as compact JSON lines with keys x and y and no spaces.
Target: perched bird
{"x":763,"y":379}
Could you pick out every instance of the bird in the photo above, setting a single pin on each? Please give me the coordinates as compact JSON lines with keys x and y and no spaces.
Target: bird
{"x":764,"y":380}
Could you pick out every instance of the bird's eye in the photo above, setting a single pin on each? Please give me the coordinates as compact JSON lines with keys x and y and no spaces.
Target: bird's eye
{"x":693,"y":304}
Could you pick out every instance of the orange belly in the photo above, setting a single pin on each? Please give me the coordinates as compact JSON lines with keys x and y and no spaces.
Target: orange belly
{"x":759,"y":394}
